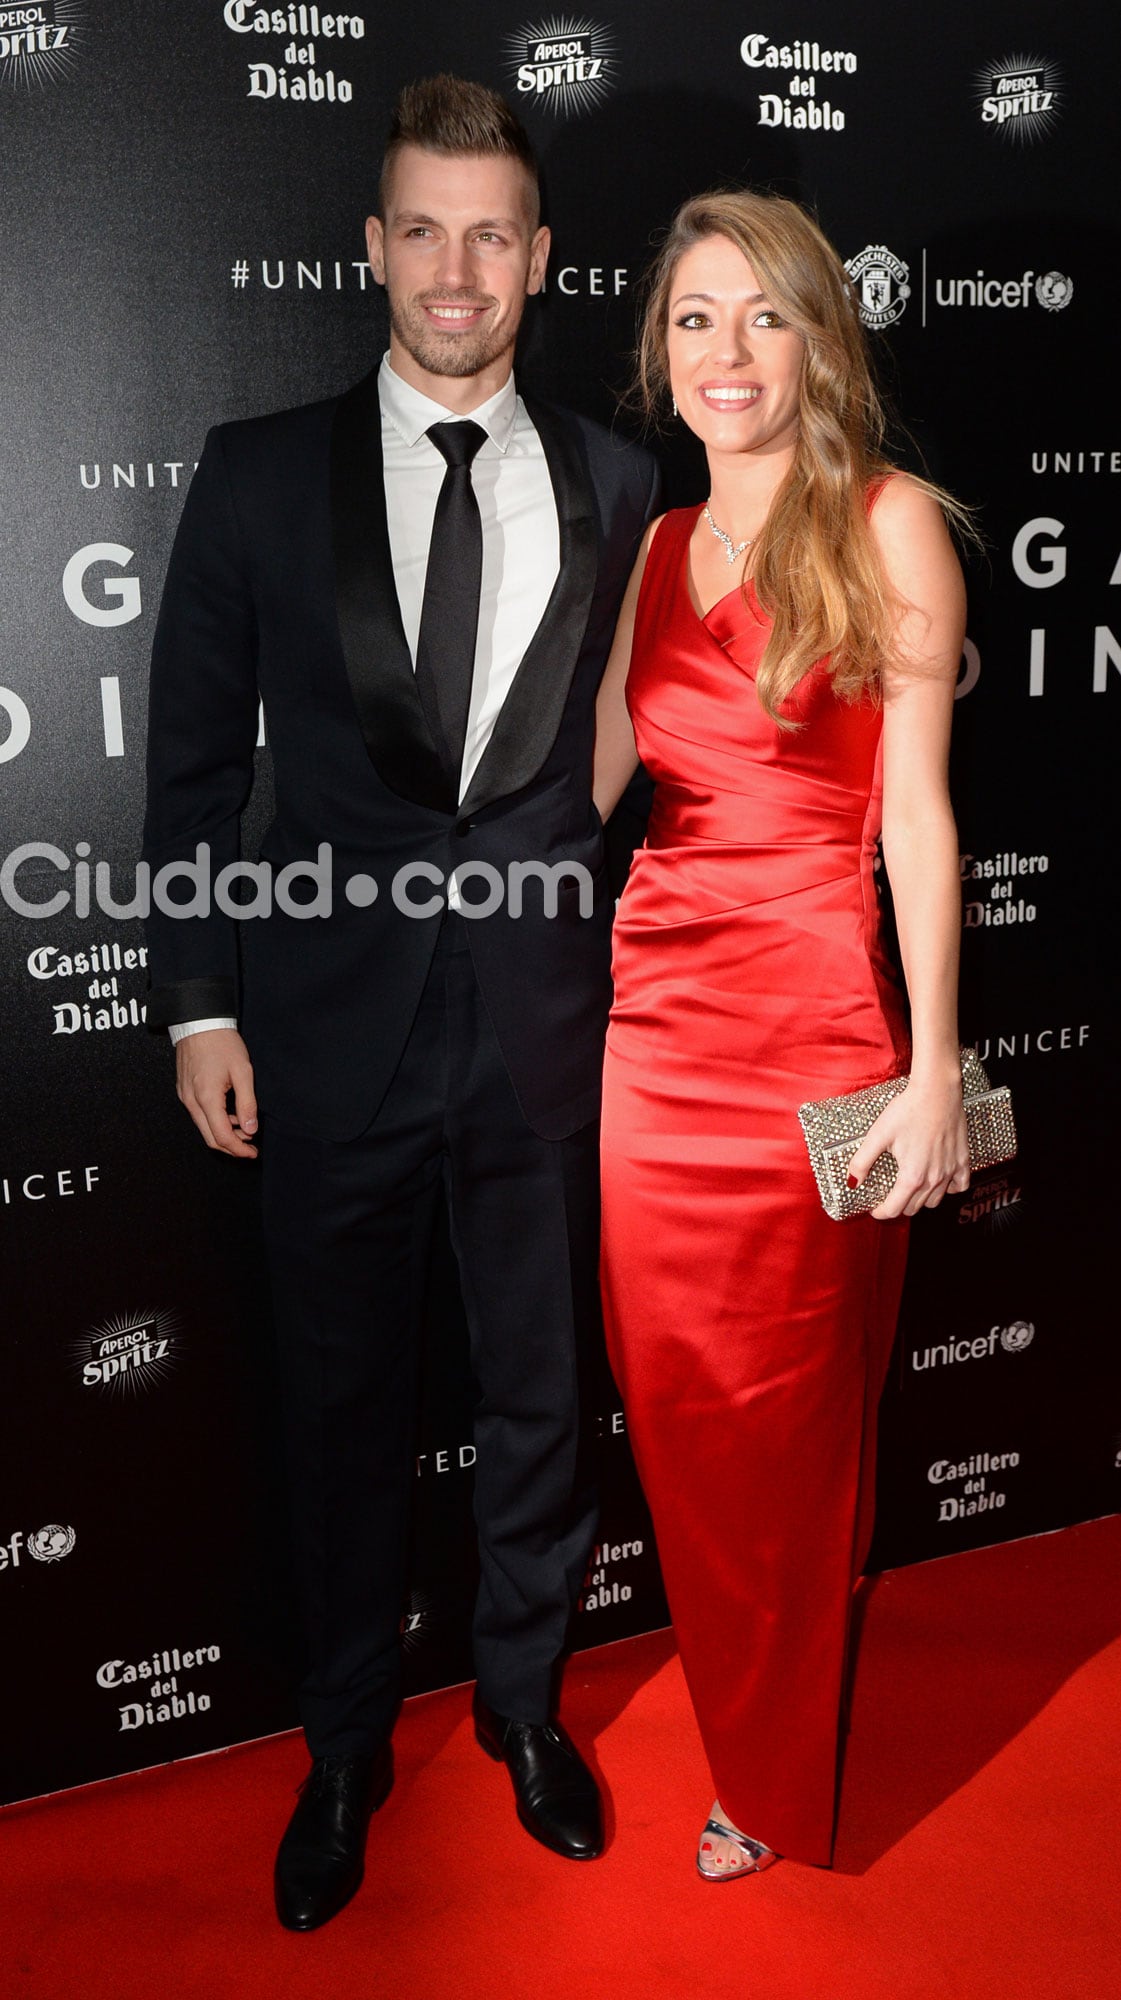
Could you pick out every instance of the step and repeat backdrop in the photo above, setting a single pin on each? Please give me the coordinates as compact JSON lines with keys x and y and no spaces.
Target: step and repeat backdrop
{"x":186,"y":186}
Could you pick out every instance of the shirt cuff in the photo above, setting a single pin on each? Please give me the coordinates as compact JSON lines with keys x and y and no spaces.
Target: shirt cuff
{"x":179,"y":1030}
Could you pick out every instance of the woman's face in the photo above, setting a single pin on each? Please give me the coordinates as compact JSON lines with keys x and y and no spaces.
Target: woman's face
{"x":734,"y":364}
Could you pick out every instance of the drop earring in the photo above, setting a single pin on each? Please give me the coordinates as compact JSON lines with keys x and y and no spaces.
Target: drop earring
{"x":673,"y":400}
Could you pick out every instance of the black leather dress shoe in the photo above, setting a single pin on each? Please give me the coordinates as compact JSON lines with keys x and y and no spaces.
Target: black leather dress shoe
{"x":557,"y":1797}
{"x":321,"y":1858}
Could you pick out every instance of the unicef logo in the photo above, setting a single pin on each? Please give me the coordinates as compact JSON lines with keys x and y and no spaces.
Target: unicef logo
{"x":50,"y":1544}
{"x":1054,"y":291}
{"x":1016,"y":1337}
{"x":881,"y":281}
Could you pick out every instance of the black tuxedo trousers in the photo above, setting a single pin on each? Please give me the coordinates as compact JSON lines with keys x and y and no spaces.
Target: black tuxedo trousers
{"x":348,"y":1227}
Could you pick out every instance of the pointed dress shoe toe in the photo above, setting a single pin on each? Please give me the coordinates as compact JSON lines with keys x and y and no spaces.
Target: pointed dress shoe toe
{"x":321,"y":1859}
{"x":557,"y":1797}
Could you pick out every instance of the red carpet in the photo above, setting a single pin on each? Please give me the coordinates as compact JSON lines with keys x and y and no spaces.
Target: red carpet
{"x":977,"y":1860}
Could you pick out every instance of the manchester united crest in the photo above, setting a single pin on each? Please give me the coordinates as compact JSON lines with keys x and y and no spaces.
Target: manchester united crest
{"x":881,"y":281}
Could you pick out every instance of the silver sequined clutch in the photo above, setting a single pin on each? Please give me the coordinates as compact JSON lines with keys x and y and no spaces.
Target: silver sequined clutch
{"x":834,"y":1128}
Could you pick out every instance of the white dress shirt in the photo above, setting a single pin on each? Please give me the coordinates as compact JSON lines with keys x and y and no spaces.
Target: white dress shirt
{"x":521,"y":545}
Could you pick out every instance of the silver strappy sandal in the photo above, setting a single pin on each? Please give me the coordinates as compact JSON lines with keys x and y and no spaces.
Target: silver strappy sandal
{"x":758,"y":1856}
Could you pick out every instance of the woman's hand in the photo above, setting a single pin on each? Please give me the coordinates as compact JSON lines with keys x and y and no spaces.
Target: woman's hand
{"x":924,"y":1128}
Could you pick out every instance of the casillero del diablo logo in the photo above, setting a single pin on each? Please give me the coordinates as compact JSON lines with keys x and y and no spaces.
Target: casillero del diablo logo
{"x":797,"y":68}
{"x":564,"y":64}
{"x":294,"y":66}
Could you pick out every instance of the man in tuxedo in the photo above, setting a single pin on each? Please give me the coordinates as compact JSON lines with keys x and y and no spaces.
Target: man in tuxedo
{"x":420,"y":580}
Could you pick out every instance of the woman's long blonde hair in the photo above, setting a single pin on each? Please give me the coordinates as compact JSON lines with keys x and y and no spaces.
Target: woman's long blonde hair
{"x":817,"y":572}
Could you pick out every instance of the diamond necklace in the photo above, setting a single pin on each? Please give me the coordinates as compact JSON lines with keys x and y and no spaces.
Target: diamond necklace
{"x":731,"y":549}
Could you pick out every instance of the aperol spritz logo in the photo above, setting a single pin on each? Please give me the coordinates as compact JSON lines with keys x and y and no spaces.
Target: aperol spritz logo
{"x":39,"y":41}
{"x":419,"y":1620}
{"x":1021,"y":97}
{"x":565,"y":65}
{"x":128,"y":1354}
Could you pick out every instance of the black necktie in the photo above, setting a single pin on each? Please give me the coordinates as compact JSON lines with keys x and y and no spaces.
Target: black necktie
{"x":449,"y":617}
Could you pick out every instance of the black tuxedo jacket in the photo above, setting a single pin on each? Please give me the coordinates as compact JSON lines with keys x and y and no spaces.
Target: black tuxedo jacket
{"x":280,"y":586}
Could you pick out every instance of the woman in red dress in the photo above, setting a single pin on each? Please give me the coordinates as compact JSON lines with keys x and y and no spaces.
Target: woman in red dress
{"x":785,"y":669}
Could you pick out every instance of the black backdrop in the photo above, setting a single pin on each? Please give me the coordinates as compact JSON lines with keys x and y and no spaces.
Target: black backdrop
{"x":185,"y":186}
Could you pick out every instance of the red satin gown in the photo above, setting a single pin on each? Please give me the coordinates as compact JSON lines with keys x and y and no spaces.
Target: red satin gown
{"x":749,"y":1334}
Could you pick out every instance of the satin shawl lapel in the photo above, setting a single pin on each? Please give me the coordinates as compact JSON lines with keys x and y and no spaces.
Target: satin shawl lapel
{"x":378,"y":663}
{"x":530,"y":715}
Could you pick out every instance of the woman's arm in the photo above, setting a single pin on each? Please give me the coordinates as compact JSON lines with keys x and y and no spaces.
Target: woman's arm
{"x":616,"y":759}
{"x":925,"y":1127}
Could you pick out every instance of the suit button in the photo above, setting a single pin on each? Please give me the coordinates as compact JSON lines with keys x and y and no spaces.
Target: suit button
{"x":465,"y":826}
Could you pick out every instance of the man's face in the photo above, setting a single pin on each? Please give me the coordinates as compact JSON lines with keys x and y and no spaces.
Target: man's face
{"x":458,"y":257}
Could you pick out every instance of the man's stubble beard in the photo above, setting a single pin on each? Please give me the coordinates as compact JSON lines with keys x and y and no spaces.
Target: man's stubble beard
{"x":453,"y":354}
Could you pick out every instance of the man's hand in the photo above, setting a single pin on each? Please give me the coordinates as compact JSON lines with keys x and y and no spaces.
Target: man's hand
{"x":207,"y":1067}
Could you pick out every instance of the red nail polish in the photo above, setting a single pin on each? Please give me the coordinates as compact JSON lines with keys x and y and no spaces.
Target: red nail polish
{"x":853,"y":1182}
